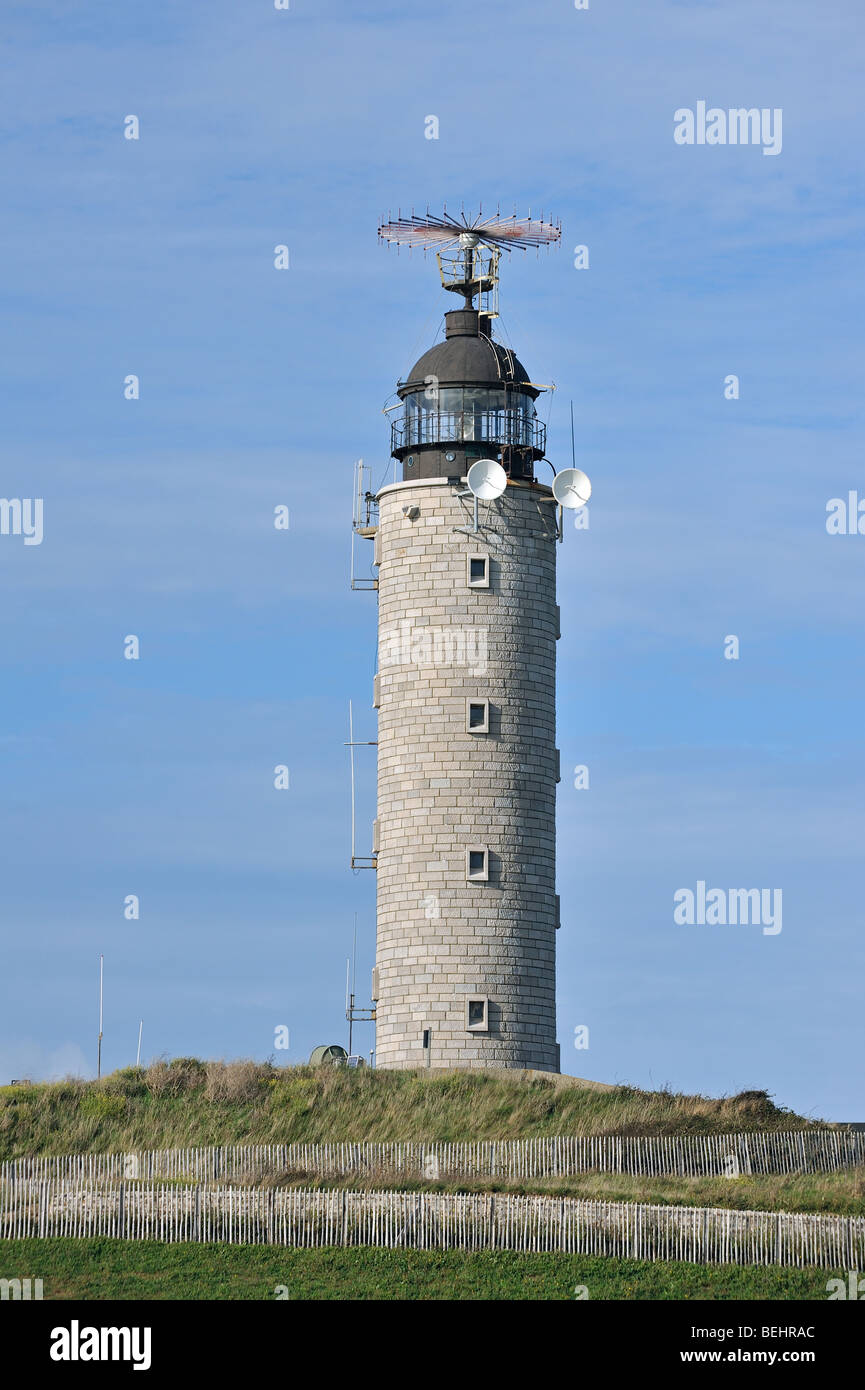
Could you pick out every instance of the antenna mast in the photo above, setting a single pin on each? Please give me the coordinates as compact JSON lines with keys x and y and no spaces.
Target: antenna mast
{"x":353,"y":1014}
{"x":364,"y":522}
{"x":357,"y":861}
{"x":99,"y":1038}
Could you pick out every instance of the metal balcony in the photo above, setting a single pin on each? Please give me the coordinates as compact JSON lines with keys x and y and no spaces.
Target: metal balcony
{"x":504,"y":427}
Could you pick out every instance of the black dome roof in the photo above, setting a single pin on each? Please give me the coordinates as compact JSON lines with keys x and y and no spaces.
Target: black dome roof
{"x":466,"y":357}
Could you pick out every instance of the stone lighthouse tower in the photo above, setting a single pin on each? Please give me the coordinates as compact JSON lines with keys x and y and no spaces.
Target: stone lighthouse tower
{"x":464,"y":840}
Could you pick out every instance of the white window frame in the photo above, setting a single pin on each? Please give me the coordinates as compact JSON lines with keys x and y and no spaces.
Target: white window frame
{"x":483,"y":728}
{"x":484,"y":876}
{"x":484,"y":1025}
{"x":477,"y":583}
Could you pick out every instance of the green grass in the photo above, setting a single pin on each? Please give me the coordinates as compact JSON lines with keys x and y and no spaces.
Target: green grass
{"x":187,"y":1102}
{"x":842,"y":1193}
{"x":114,"y":1269}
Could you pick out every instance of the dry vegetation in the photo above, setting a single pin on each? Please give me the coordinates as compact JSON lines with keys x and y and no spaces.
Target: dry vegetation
{"x":186,"y":1102}
{"x":842,"y":1193}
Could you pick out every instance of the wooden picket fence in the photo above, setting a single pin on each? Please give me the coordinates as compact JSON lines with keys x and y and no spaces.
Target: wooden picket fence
{"x":427,"y":1221}
{"x":685,"y":1155}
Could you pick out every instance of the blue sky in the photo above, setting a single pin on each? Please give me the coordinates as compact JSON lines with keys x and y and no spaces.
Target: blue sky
{"x":259,"y":387}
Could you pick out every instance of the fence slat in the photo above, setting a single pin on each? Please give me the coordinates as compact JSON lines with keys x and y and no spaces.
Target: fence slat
{"x":796,"y":1151}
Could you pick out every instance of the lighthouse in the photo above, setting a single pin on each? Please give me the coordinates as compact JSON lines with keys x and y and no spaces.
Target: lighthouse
{"x":464,"y":840}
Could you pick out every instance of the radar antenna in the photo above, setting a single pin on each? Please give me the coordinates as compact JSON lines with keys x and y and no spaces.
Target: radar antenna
{"x":475,"y":245}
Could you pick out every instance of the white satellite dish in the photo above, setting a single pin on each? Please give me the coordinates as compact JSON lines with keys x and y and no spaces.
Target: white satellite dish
{"x":571,"y":488}
{"x":487,"y":479}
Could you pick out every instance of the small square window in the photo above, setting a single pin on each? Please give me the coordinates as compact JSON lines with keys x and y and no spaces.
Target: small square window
{"x":477,"y":1015}
{"x":477,"y":863}
{"x":477,"y":716}
{"x":478,"y":571}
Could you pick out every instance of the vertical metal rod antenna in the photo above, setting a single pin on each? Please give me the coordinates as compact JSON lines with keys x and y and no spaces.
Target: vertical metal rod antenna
{"x":348,"y":1009}
{"x":99,"y":1039}
{"x":138,"y":1053}
{"x":353,"y":987}
{"x":353,"y":526}
{"x":356,"y":510}
{"x":351,"y":749}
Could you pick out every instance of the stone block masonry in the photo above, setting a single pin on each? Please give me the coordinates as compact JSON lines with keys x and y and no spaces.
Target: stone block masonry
{"x":466,"y":892}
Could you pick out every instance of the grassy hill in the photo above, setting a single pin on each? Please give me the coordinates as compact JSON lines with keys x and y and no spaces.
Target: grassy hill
{"x":186,"y":1102}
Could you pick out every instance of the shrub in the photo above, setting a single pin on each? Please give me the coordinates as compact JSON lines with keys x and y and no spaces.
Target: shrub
{"x":157,"y":1078}
{"x":297,"y":1097}
{"x":755,"y":1104}
{"x":235,"y":1081}
{"x":103,"y":1105}
{"x":129,"y":1081}
{"x":174,"y":1078}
